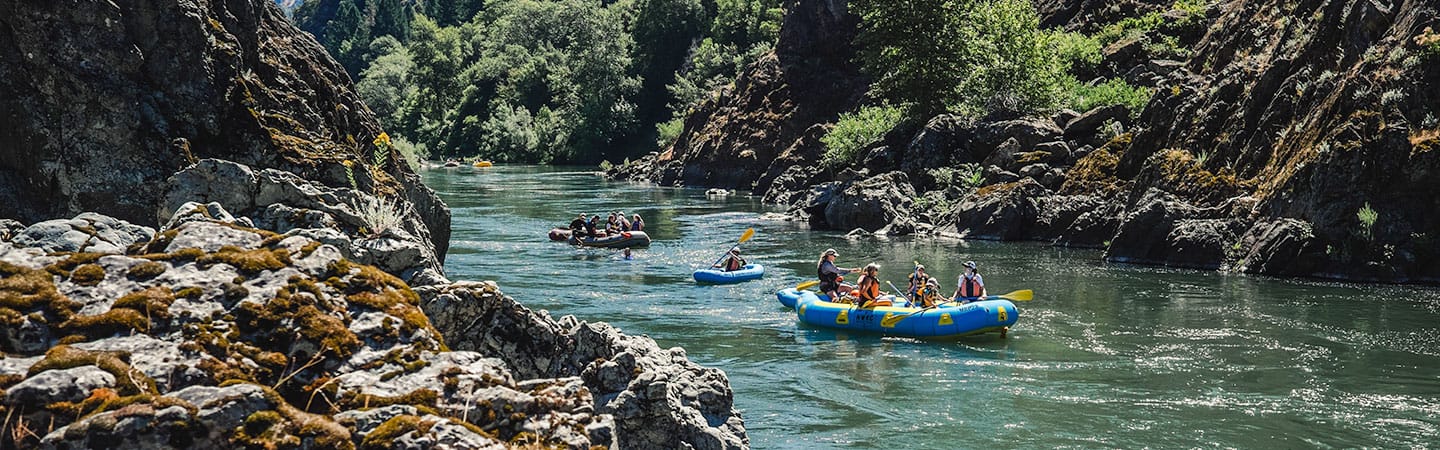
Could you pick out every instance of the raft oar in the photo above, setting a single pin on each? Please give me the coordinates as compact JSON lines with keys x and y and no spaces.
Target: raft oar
{"x":897,"y":291}
{"x":749,"y":232}
{"x":807,"y":285}
{"x":1023,"y":295}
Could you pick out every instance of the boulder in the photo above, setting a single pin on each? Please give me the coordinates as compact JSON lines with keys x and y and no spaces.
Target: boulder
{"x":1000,"y":212}
{"x":1281,"y":246}
{"x":942,"y":142}
{"x":58,"y":385}
{"x":386,"y":233}
{"x":1085,"y":127}
{"x":1164,"y":230}
{"x":872,"y":203}
{"x":658,"y":399}
{"x":87,"y":232}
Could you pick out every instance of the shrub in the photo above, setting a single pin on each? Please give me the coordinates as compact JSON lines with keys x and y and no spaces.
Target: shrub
{"x":381,"y":214}
{"x":1429,"y":42}
{"x":1112,"y":92}
{"x":856,"y":130}
{"x":1079,"y":51}
{"x":669,"y":132}
{"x":1367,"y":216}
{"x":414,"y":154}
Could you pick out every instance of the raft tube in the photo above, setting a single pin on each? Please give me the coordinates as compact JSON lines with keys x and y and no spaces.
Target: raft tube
{"x":623,"y":240}
{"x":717,"y":276}
{"x":948,"y":321}
{"x":483,"y":164}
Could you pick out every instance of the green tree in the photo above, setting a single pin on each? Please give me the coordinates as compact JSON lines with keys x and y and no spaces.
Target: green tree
{"x":744,"y":23}
{"x":663,"y":32}
{"x":974,"y":57}
{"x":385,"y":84}
{"x":438,"y":55}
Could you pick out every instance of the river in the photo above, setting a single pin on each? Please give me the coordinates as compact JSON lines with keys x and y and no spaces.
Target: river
{"x":1106,"y":355}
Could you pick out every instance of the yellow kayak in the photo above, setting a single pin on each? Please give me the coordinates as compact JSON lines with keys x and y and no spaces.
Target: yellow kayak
{"x":483,"y":164}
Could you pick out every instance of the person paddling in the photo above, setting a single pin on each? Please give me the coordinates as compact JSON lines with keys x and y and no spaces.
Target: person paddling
{"x":970,"y":286}
{"x":830,"y":275}
{"x":732,"y":261}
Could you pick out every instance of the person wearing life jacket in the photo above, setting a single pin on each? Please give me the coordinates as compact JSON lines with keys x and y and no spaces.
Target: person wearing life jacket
{"x":969,"y":286}
{"x":624,"y":222}
{"x":926,"y":293}
{"x":917,"y":281}
{"x":867,"y":291}
{"x":732,"y":261}
{"x":830,"y":275}
{"x":636,"y":223}
{"x":592,"y":224}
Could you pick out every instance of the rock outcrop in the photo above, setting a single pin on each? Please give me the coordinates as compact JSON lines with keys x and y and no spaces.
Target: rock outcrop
{"x":386,"y":232}
{"x":1289,"y":138}
{"x":750,"y":132}
{"x":102,"y":102}
{"x":215,"y":334}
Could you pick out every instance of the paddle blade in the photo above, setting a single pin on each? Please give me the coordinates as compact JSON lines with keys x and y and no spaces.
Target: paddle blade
{"x":749,"y":232}
{"x":1023,"y":295}
{"x":807,"y":285}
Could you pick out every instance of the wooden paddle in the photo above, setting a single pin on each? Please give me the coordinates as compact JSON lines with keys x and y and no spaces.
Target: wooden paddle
{"x":1023,"y":295}
{"x":749,"y":233}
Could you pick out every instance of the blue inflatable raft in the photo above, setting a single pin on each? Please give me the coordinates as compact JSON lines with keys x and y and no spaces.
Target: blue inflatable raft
{"x":717,"y":276}
{"x":946,"y":321}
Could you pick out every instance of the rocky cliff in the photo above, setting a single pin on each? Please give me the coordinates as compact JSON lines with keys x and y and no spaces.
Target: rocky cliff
{"x":103,"y":101}
{"x":209,"y":333}
{"x":770,"y":119}
{"x":1291,"y":138}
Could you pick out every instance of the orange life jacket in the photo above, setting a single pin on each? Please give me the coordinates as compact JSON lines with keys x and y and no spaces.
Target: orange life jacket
{"x":869,"y":289}
{"x":969,"y":287}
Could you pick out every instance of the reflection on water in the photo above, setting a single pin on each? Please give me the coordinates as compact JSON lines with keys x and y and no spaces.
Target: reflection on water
{"x":1105,"y":356}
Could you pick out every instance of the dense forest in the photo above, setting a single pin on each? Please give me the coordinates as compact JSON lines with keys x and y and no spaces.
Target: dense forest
{"x":580,"y":81}
{"x":563,"y":81}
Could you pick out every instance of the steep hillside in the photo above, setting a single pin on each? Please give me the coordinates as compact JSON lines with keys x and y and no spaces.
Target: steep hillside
{"x":102,"y":103}
{"x":767,"y":121}
{"x":1290,"y":138}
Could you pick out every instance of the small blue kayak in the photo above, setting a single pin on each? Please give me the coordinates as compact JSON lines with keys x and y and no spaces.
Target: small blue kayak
{"x":944,"y":322}
{"x":717,"y":276}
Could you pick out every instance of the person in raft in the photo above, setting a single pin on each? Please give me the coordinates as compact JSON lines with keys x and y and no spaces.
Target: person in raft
{"x":624,"y":222}
{"x":592,"y":224}
{"x":637,"y":224}
{"x":732,"y":261}
{"x":867,"y":291}
{"x":577,"y":226}
{"x":830,"y":275}
{"x":969,"y":287}
{"x":917,"y":282}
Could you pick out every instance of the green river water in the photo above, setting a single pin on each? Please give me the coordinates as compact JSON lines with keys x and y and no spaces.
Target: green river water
{"x":1105,"y":356}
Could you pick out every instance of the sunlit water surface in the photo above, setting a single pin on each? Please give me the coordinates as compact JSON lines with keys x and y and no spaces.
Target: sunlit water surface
{"x":1105,"y":356}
